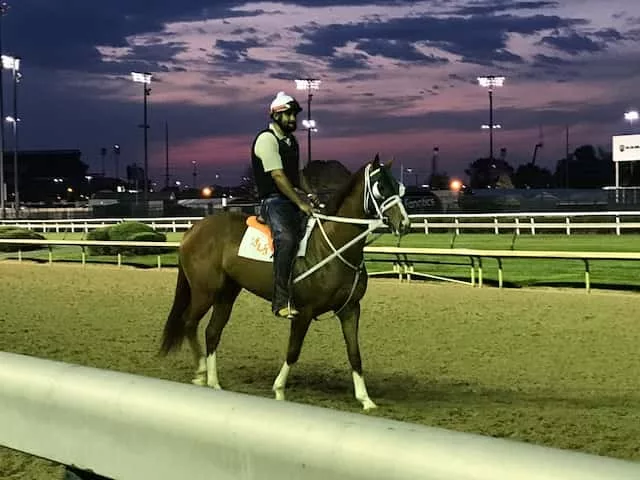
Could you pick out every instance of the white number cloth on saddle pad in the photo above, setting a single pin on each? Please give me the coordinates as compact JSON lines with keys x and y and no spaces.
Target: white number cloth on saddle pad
{"x":257,"y":242}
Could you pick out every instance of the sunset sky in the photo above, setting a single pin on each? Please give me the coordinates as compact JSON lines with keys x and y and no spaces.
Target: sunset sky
{"x":398,"y":77}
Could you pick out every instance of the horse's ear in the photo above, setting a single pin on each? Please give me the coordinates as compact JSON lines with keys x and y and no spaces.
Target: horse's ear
{"x":390,"y":162}
{"x":376,"y":160}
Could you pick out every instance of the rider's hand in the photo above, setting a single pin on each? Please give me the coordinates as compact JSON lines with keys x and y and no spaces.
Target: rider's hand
{"x":313,"y":198}
{"x":307,"y":208}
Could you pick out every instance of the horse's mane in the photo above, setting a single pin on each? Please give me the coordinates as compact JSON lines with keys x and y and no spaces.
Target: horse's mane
{"x":330,"y":180}
{"x":344,"y":183}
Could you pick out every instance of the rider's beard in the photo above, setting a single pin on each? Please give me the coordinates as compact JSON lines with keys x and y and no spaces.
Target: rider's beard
{"x":287,"y":127}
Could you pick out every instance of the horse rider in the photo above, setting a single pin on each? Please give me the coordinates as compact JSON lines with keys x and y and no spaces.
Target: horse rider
{"x":275,"y":161}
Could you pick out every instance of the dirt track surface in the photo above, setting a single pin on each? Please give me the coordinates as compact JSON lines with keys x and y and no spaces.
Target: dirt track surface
{"x":553,"y":367}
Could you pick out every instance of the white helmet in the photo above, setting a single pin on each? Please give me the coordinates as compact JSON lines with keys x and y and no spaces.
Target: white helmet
{"x":284,"y":102}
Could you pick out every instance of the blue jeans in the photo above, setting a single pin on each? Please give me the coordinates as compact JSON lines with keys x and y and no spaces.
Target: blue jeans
{"x":285,"y":220}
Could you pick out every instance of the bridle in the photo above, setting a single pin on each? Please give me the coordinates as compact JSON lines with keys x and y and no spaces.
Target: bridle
{"x":373,"y":197}
{"x":374,"y":204}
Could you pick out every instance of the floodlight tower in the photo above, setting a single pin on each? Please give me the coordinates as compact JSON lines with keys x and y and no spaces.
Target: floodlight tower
{"x":13,"y":64}
{"x":308,"y":84}
{"x":116,"y":158}
{"x":145,"y":79}
{"x":490,"y":82}
{"x":4,"y":8}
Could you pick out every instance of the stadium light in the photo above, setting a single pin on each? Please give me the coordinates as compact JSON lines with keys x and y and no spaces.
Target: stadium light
{"x":455,"y":185}
{"x":308,"y":84}
{"x":310,"y":124}
{"x":145,"y":79}
{"x":490,"y":82}
{"x":631,"y":116}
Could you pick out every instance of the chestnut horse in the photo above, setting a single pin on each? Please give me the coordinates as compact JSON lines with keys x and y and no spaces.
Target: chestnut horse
{"x":330,"y":277}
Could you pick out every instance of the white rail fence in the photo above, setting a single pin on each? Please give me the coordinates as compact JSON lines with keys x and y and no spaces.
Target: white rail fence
{"x":402,"y":258}
{"x":127,"y":426}
{"x":405,"y":261}
{"x":532,"y":223}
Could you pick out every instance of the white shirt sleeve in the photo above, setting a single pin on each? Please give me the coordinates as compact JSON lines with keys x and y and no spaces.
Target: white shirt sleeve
{"x":266,"y":149}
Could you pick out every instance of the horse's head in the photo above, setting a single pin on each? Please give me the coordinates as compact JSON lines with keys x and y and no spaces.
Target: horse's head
{"x":383,"y":197}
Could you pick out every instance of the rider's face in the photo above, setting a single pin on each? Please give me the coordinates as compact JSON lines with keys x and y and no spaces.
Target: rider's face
{"x":287,"y":121}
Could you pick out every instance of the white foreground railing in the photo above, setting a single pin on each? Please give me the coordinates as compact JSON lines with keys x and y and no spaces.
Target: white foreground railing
{"x":132,"y":427}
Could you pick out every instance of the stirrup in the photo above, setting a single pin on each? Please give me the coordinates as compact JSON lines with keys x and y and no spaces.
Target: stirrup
{"x":287,"y":312}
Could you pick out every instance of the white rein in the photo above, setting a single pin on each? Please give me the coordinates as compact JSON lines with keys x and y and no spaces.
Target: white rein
{"x":370,"y":193}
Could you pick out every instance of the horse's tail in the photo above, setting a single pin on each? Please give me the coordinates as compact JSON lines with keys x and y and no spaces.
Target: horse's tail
{"x":174,"y":328}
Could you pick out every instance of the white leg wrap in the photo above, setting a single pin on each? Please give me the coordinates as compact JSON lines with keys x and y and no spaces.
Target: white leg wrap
{"x":212,"y":372}
{"x":361,"y":392}
{"x":281,"y":381}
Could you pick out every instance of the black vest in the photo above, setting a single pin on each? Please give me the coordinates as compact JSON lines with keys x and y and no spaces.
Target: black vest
{"x":290,"y":164}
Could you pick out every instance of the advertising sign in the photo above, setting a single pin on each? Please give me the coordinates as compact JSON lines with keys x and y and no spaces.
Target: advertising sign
{"x":626,"y":148}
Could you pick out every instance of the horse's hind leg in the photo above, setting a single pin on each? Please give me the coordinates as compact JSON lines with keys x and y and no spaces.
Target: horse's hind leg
{"x":200,"y":377}
{"x":350,"y":319}
{"x":299,"y":329}
{"x":222,"y":306}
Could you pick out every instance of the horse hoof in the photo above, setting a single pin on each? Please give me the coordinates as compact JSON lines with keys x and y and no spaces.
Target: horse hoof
{"x":199,"y":381}
{"x":368,"y":405}
{"x":279,"y":395}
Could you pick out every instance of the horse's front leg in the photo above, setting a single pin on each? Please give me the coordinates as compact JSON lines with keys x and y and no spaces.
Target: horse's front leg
{"x":350,"y":319}
{"x":299,"y":329}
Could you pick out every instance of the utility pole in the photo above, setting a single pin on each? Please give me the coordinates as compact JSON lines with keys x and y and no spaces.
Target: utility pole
{"x":566,"y":163}
{"x":103,"y":154}
{"x":166,"y":155}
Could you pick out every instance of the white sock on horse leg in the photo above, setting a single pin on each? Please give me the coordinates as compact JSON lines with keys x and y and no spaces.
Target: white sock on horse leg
{"x":212,"y":372}
{"x":201,"y":372}
{"x":361,"y":391}
{"x":281,"y":381}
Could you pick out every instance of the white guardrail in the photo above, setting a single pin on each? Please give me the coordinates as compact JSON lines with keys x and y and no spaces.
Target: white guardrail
{"x":126,"y":426}
{"x":516,"y":222}
{"x":402,"y":258}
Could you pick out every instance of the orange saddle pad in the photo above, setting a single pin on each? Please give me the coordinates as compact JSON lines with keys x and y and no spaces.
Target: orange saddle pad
{"x":252,"y":221}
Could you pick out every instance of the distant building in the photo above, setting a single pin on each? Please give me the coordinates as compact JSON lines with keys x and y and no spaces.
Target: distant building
{"x":46,"y":176}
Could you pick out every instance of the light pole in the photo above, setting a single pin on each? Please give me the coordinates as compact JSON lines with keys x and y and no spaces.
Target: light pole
{"x":194,"y":173}
{"x":116,"y":155}
{"x":308,"y":84}
{"x":490,"y":82}
{"x":145,"y":79}
{"x":4,"y":8}
{"x":103,"y":154}
{"x":631,"y":116}
{"x":13,"y":64}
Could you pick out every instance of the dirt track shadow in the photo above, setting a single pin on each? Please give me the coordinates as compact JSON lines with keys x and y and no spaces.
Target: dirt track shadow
{"x":411,"y":392}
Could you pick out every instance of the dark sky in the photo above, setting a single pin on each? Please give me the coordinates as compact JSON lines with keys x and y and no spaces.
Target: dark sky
{"x":398,"y":77}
